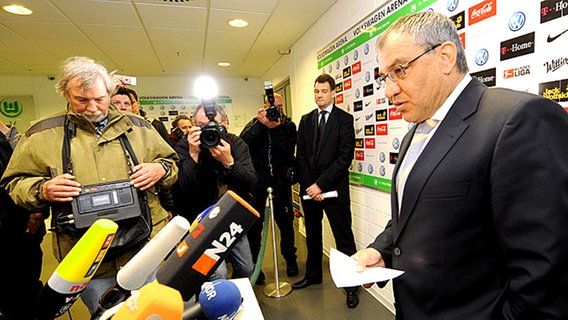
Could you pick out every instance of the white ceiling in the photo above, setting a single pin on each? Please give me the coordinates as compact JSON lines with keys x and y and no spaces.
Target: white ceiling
{"x":154,"y":37}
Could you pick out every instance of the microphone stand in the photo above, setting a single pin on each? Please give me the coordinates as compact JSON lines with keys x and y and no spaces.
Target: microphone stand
{"x":277,"y":289}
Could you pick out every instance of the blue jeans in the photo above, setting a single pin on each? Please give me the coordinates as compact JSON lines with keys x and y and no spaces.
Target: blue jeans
{"x":241,"y":260}
{"x":97,"y":287}
{"x":94,"y":291}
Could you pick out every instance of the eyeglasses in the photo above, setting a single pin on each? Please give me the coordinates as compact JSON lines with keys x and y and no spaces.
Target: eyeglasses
{"x":400,"y":71}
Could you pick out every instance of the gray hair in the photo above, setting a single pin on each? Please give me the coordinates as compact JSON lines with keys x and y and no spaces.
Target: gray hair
{"x":427,"y":29}
{"x":87,"y":71}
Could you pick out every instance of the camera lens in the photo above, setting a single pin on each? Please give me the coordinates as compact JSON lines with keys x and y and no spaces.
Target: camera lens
{"x":273,"y":113}
{"x":209,"y":137}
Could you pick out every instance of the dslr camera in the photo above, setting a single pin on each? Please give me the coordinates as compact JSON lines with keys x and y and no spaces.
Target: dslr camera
{"x":212,"y":132}
{"x":273,"y":113}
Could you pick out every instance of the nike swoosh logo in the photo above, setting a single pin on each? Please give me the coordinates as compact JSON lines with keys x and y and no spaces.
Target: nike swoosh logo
{"x":367,"y":104}
{"x":550,"y":39}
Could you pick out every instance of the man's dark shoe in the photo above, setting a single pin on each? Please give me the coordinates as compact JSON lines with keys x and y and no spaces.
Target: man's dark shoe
{"x":292,"y":268}
{"x":304,"y":283}
{"x":352,"y":299}
{"x":261,"y":278}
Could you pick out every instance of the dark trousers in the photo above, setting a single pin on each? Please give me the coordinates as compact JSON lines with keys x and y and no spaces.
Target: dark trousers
{"x":283,"y":216}
{"x":19,"y":276}
{"x":339,"y":217}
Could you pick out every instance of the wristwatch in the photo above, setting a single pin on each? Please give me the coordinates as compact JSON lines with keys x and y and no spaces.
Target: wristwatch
{"x":165,"y":166}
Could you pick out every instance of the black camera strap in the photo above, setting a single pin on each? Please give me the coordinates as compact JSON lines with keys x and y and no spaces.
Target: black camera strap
{"x":70,"y":132}
{"x":132,"y":229}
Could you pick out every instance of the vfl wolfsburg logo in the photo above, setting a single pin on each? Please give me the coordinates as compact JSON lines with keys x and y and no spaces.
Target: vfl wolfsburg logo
{"x":10,"y":109}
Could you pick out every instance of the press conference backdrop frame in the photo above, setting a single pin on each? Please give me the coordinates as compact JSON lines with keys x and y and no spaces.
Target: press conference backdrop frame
{"x":165,"y":108}
{"x":508,"y":43}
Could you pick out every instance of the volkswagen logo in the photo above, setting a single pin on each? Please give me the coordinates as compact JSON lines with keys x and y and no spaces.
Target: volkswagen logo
{"x":517,"y":21}
{"x":452,"y":5}
{"x":395,"y":143}
{"x":481,"y":57}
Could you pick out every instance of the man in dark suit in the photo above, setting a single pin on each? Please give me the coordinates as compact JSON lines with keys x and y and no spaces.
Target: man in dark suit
{"x":479,"y":222}
{"x":326,"y":142}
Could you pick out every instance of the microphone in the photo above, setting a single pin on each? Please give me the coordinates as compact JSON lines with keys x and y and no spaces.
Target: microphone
{"x":211,"y":236}
{"x":76,"y":270}
{"x":219,"y":299}
{"x":134,"y":274}
{"x":152,"y":301}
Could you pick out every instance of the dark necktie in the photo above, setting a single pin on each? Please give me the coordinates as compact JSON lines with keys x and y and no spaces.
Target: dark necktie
{"x":321,"y":124}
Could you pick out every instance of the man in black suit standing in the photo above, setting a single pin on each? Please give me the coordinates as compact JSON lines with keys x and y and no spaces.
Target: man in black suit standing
{"x":326,"y":143}
{"x":479,"y":217}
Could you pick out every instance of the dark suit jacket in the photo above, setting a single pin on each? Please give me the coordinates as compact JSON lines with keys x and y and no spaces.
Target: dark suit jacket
{"x":483,"y":228}
{"x":326,"y":163}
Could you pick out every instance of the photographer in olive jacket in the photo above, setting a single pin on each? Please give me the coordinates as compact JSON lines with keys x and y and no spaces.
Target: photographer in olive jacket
{"x":36,"y":177}
{"x":271,"y":137}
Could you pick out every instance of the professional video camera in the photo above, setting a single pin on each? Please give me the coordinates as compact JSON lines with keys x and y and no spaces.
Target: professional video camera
{"x":273,"y":113}
{"x":212,"y":132}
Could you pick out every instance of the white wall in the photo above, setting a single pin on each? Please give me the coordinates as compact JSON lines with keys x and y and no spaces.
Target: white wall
{"x":246,"y":95}
{"x":370,"y":207}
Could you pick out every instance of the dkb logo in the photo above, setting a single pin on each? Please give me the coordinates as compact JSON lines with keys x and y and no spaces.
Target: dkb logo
{"x":10,"y":109}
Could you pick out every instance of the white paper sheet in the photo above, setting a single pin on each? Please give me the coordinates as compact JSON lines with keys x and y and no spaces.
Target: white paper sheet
{"x":344,"y":274}
{"x":329,"y":194}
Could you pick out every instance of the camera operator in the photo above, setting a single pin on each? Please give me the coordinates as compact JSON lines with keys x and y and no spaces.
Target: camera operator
{"x":212,"y":162}
{"x":271,"y":137}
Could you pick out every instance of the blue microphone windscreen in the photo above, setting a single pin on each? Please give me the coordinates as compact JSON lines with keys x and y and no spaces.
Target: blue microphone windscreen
{"x":220,"y":299}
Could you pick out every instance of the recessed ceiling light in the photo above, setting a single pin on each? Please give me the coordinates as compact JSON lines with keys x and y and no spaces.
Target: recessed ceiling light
{"x":223,"y":64}
{"x":238,"y":23}
{"x":17,"y":9}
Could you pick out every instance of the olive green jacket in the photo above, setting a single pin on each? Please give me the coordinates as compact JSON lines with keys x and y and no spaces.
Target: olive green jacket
{"x":95,"y":160}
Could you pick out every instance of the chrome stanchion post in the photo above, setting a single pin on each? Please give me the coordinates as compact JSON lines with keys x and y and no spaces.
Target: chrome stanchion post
{"x":277,"y":289}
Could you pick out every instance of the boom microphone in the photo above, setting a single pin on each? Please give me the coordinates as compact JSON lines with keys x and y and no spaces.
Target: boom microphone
{"x":76,"y":270}
{"x":134,"y":273}
{"x":152,"y":301}
{"x":211,"y":236}
{"x":219,"y":299}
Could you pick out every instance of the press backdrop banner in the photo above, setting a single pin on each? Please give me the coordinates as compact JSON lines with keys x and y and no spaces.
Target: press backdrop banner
{"x":166,"y":108}
{"x":508,"y":43}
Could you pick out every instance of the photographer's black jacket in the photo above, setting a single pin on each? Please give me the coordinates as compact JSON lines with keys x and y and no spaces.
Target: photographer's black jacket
{"x":201,"y":184}
{"x":280,"y":142}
